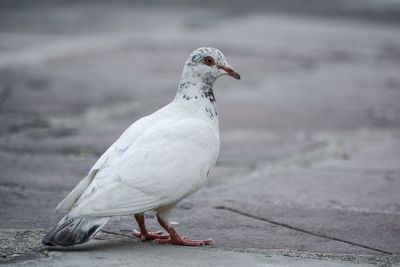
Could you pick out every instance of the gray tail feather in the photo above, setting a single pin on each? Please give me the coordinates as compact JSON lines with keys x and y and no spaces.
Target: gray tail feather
{"x":73,"y":231}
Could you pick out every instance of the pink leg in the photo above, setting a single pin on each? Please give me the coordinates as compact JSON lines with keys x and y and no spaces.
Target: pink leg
{"x":144,"y":234}
{"x":175,"y":239}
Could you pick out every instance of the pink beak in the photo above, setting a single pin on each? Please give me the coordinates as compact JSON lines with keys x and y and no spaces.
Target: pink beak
{"x":230,"y":71}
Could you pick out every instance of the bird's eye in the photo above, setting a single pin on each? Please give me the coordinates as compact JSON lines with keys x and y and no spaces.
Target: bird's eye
{"x":209,"y":61}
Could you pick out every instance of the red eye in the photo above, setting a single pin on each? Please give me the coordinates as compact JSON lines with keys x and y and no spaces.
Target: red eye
{"x":209,"y":61}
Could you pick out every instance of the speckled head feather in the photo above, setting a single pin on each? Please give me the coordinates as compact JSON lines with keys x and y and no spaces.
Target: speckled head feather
{"x":202,"y":68}
{"x":197,"y":64}
{"x":199,"y":54}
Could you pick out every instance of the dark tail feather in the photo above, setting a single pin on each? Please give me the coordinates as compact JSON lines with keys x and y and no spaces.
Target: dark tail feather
{"x":73,"y":231}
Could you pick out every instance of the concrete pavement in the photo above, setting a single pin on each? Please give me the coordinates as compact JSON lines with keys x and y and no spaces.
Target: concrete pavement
{"x":309,"y":170}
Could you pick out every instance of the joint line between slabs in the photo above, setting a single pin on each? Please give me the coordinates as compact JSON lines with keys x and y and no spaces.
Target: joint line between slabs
{"x":301,"y":230}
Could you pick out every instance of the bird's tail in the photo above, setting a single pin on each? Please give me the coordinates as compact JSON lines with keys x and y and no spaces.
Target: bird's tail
{"x":73,"y":231}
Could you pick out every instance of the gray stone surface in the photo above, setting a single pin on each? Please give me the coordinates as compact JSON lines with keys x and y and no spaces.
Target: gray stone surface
{"x":309,"y":170}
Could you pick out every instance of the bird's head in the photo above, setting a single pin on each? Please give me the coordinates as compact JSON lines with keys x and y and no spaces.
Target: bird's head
{"x":209,"y":63}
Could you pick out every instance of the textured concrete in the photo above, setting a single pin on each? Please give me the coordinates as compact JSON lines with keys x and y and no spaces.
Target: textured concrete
{"x":309,"y":170}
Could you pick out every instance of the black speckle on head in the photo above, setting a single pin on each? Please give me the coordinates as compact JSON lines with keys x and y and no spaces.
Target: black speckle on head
{"x":186,"y":97}
{"x":196,"y":58}
{"x":210,"y":95}
{"x":220,"y":56}
{"x":209,"y":113}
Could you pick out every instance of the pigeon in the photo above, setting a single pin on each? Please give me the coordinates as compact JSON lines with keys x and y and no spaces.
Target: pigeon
{"x":159,"y":160}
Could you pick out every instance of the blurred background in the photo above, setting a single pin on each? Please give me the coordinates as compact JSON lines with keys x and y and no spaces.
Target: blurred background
{"x":310,"y":135}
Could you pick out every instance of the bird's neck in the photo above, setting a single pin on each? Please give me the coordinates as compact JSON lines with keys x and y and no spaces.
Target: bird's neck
{"x":192,"y":86}
{"x":200,"y":91}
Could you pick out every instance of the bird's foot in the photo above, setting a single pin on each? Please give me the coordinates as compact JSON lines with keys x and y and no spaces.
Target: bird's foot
{"x":151,"y":235}
{"x":184,"y":242}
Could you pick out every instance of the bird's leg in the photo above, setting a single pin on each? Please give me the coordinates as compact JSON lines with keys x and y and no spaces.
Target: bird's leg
{"x":144,"y":234}
{"x":176,"y":239}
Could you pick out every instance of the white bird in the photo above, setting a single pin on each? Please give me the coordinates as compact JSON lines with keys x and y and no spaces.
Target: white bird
{"x":158,"y":161}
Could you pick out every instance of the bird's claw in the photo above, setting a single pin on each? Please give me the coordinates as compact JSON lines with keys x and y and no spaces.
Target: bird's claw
{"x":150,"y":235}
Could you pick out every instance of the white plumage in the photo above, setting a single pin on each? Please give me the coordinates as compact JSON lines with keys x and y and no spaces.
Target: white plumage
{"x":159,"y":160}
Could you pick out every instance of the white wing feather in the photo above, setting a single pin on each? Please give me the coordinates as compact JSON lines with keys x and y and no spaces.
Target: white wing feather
{"x":162,"y":164}
{"x":117,"y":148}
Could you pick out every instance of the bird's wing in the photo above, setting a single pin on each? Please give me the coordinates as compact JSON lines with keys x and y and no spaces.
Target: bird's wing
{"x":162,"y":166}
{"x":115,"y":150}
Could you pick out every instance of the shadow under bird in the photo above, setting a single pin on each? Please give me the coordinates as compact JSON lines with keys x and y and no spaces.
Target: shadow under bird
{"x":158,"y":161}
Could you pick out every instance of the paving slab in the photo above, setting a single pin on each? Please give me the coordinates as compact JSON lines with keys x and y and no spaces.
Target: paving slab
{"x":122,"y":250}
{"x":309,"y":167}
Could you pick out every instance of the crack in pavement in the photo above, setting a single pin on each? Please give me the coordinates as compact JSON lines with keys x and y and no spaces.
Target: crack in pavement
{"x":301,"y":230}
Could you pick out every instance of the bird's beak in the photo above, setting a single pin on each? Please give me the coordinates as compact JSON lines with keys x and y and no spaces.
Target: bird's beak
{"x":230,"y":71}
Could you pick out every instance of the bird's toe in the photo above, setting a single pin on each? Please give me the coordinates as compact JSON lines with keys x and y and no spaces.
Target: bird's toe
{"x":150,"y":235}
